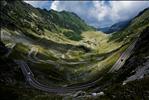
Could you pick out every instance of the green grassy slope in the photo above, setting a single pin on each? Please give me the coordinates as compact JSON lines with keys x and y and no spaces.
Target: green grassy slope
{"x":16,"y":14}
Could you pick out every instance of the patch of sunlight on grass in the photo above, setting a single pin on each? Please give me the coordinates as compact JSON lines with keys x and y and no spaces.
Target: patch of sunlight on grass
{"x":99,"y":42}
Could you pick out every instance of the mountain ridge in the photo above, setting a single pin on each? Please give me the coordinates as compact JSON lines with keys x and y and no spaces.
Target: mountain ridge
{"x":54,"y":21}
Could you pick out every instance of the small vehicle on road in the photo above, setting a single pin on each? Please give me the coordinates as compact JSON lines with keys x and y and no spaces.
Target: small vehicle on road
{"x":122,"y":60}
{"x":80,"y":94}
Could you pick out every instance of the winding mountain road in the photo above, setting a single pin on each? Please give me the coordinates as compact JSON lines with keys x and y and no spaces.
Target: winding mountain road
{"x":124,"y":56}
{"x":61,"y":90}
{"x":31,"y":80}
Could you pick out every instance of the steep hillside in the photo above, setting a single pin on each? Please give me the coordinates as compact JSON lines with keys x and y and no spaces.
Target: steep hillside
{"x":19,"y":15}
{"x":133,"y":77}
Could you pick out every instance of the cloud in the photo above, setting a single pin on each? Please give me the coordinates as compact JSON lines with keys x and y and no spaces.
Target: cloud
{"x":123,"y":10}
{"x":39,"y":4}
{"x":96,"y":13}
{"x":102,"y":13}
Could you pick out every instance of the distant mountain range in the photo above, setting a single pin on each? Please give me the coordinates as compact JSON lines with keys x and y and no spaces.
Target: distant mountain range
{"x":115,"y":27}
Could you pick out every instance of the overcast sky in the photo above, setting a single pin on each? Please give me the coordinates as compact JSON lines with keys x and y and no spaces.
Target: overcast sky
{"x":97,"y":13}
